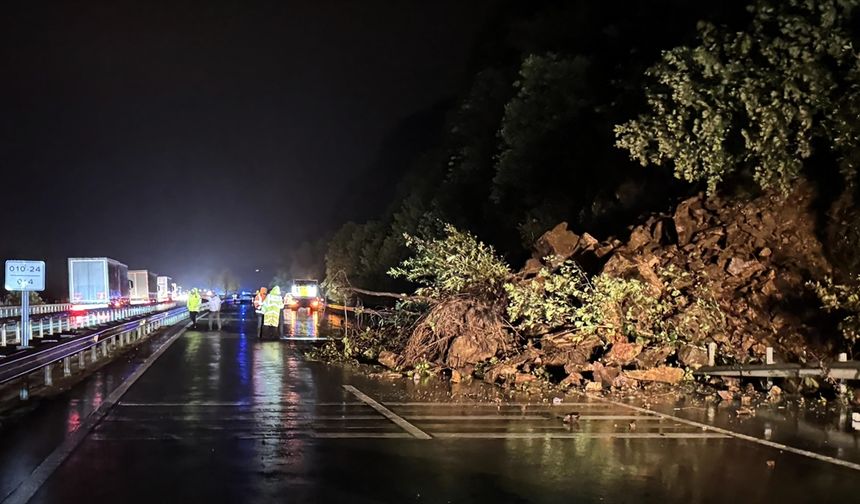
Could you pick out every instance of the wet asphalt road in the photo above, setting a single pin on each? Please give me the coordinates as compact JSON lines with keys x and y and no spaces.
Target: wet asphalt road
{"x":222,"y":417}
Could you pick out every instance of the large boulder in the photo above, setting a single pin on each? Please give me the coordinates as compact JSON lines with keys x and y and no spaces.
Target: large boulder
{"x":688,"y":219}
{"x":652,"y":357}
{"x":569,"y":351}
{"x":387,"y":359}
{"x":622,"y":353}
{"x":693,"y":356}
{"x":663,"y":374}
{"x":605,"y":375}
{"x":558,"y":243}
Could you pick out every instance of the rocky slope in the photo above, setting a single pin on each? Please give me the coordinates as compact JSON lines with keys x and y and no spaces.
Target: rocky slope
{"x":750,"y":259}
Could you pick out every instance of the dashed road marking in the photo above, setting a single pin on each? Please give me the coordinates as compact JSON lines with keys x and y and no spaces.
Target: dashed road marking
{"x":745,"y":437}
{"x":363,"y":435}
{"x":495,"y":404}
{"x":478,"y":417}
{"x":203,"y":404}
{"x":387,"y":413}
{"x":578,"y":435}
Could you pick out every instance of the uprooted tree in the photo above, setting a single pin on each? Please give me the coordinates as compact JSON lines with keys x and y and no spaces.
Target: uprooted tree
{"x":471,"y":313}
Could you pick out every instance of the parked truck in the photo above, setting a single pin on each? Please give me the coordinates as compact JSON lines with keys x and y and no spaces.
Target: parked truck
{"x":97,"y":282}
{"x":165,"y":290}
{"x":305,"y":294}
{"x":144,"y":286}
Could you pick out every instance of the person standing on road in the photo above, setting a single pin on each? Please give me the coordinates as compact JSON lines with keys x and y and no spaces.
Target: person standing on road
{"x":272,"y":308}
{"x":215,"y":310}
{"x":193,"y":304}
{"x":258,"y":307}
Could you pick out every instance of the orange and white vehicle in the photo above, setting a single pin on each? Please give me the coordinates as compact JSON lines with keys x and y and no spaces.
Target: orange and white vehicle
{"x":304,"y":294}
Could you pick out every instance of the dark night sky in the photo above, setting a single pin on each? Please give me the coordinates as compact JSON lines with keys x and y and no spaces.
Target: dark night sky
{"x":185,"y":136}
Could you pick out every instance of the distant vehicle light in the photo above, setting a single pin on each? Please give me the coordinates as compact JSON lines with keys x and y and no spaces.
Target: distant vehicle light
{"x":85,"y":307}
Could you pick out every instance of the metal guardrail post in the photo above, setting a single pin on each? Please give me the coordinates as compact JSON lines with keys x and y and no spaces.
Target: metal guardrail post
{"x":3,"y":335}
{"x":82,"y":360}
{"x":768,"y":359}
{"x":67,"y":367}
{"x":49,"y":377}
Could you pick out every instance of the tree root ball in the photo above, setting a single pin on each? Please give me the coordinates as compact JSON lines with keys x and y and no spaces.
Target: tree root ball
{"x":459,"y":331}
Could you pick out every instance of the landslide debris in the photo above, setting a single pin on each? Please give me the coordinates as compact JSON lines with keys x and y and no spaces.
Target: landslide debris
{"x":622,"y":313}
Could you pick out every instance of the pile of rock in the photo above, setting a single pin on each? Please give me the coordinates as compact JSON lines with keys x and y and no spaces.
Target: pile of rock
{"x":752,"y":260}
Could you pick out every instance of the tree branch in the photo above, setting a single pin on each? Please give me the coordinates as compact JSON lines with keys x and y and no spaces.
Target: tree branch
{"x":394,"y":295}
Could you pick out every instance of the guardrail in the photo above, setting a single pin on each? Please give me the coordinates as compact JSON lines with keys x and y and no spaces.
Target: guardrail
{"x":10,"y":330}
{"x":91,"y":344}
{"x":41,"y":309}
{"x":841,"y":369}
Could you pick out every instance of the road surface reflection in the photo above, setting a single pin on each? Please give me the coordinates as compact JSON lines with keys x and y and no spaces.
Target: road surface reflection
{"x":301,"y":323}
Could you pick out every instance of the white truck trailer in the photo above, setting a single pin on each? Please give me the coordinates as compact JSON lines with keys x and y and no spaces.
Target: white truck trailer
{"x":165,"y":291}
{"x":144,"y":286}
{"x":97,"y":282}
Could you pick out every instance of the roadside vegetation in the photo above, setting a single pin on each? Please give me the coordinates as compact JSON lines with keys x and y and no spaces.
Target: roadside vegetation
{"x":532,"y":247}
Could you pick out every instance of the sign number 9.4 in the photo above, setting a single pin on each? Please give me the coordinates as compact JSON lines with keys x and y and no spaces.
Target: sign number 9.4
{"x":25,"y":275}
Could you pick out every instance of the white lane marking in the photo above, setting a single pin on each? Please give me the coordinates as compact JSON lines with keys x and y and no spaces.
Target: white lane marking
{"x":181,"y":405}
{"x":237,"y":404}
{"x":578,"y":435}
{"x":477,"y":417}
{"x":494,"y":405}
{"x":745,"y":437}
{"x":363,"y":435}
{"x":387,"y":413}
{"x":644,"y":418}
{"x":306,"y":417}
{"x":531,"y":417}
{"x":27,"y":489}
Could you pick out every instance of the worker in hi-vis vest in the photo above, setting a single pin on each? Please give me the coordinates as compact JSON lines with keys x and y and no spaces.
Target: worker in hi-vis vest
{"x":272,"y":308}
{"x":193,"y":304}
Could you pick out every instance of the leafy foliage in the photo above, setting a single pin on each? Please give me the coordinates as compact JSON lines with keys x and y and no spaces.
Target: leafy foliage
{"x":552,"y":299}
{"x":755,"y":100}
{"x":613,"y":307}
{"x":842,"y":299}
{"x":455,"y":263}
{"x":605,"y":305}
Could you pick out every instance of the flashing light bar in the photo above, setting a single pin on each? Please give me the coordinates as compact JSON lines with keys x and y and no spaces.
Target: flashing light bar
{"x":304,"y":290}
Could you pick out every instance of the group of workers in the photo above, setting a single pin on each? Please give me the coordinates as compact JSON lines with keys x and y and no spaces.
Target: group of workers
{"x":270,"y":312}
{"x":269,"y":306}
{"x":195,"y":301}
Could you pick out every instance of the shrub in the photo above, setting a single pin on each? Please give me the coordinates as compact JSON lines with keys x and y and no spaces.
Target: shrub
{"x":844,"y":300}
{"x":455,"y":263}
{"x":613,"y":307}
